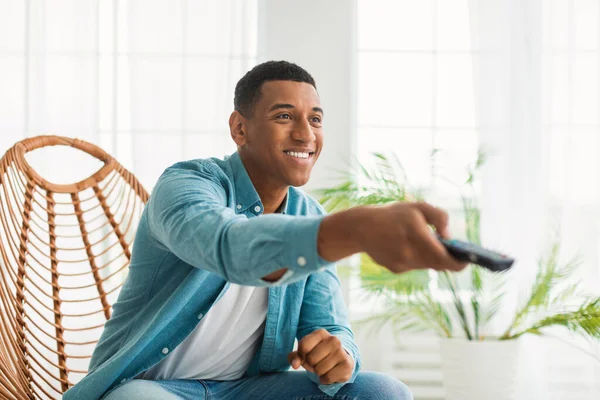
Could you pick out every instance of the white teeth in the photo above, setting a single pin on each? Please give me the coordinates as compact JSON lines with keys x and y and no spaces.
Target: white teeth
{"x":296,"y":154}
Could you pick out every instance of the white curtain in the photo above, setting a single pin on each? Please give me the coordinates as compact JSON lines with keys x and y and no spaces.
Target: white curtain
{"x":149,"y":81}
{"x":537,"y":90}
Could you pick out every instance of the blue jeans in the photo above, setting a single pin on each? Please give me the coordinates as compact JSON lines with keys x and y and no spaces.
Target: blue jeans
{"x":278,"y":386}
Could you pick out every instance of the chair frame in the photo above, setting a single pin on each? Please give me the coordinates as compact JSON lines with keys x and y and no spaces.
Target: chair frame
{"x":20,"y":183}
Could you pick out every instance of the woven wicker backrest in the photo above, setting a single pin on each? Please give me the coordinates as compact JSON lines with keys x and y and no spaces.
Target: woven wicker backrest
{"x":64,"y":253}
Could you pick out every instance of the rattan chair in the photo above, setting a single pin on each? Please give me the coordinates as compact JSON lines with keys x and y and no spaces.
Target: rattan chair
{"x":64,"y":253}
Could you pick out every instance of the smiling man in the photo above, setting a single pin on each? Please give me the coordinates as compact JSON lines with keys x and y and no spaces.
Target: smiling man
{"x":232,"y":263}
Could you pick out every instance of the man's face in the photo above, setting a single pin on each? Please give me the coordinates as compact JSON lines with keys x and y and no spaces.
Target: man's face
{"x":284,"y":134}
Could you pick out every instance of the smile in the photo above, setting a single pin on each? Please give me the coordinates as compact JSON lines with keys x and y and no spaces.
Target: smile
{"x":297,"y":154}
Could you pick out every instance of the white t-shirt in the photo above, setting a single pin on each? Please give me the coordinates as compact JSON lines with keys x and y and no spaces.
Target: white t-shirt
{"x":222,"y":345}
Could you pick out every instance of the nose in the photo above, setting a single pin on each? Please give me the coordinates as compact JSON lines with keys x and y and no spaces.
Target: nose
{"x":303,"y":131}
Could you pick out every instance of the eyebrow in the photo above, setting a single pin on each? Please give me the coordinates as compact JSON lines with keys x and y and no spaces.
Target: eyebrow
{"x":290,"y":106}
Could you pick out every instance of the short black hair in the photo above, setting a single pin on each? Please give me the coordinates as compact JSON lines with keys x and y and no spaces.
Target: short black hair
{"x":247,"y":90}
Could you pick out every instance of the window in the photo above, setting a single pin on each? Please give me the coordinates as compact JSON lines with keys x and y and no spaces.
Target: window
{"x":151,"y":82}
{"x":416,"y":93}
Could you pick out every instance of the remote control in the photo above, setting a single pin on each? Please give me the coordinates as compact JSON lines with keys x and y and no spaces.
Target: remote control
{"x":472,"y":253}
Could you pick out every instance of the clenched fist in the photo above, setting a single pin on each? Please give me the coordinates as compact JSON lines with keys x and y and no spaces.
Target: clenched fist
{"x":322,"y":353}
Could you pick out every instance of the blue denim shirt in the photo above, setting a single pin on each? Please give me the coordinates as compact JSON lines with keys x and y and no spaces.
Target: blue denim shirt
{"x":198,"y":232}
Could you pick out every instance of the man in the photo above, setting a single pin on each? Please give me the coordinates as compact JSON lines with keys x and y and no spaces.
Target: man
{"x":231,"y":263}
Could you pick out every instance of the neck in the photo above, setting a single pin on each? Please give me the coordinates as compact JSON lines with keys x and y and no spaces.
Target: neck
{"x":271,"y":195}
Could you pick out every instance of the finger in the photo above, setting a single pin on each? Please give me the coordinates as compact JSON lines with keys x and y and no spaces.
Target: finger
{"x":295,"y":360}
{"x":436,"y":255}
{"x":308,"y":367}
{"x":426,"y":244}
{"x":320,"y":352}
{"x":329,"y":362}
{"x":310,"y":341}
{"x":338,"y":374}
{"x":436,"y":217}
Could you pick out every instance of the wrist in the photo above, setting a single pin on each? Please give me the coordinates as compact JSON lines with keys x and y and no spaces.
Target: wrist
{"x":356,"y":220}
{"x":340,"y":234}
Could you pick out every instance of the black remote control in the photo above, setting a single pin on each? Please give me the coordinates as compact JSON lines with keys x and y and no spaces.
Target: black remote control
{"x":472,"y":253}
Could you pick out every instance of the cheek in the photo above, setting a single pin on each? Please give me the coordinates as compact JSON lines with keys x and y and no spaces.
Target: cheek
{"x":274,"y":136}
{"x":319,"y":137}
{"x":319,"y":142}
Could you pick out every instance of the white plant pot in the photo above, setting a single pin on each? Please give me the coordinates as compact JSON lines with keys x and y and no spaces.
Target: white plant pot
{"x":479,"y":370}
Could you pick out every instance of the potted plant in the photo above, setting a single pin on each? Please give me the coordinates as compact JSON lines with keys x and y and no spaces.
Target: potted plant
{"x":459,"y":307}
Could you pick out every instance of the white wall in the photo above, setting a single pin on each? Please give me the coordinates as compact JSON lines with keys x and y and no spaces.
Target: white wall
{"x":318,"y":36}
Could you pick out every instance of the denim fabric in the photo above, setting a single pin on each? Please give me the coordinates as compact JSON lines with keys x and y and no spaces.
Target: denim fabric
{"x":202,"y":228}
{"x":278,"y":386}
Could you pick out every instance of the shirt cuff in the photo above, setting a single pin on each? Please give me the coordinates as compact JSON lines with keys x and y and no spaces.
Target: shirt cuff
{"x":302,"y":256}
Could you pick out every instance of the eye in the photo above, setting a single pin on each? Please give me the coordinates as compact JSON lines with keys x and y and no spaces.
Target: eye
{"x":284,"y":116}
{"x":316,"y":119}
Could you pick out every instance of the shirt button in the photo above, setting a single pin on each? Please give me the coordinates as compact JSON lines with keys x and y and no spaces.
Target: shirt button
{"x":301,"y":261}
{"x":321,"y":269}
{"x":165,"y":350}
{"x":239,"y":206}
{"x":257,"y":208}
{"x":123,"y":380}
{"x":200,"y":316}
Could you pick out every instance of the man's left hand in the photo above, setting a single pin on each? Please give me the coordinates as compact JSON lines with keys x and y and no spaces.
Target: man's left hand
{"x":322,"y":353}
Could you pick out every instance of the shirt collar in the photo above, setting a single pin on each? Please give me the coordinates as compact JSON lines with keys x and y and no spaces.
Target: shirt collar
{"x":245,"y":193}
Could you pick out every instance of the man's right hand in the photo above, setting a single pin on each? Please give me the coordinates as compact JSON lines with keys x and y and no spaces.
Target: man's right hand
{"x":397,"y":236}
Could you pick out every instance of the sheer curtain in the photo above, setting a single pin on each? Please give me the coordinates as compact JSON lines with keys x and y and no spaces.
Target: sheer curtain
{"x":520,"y":79}
{"x":149,"y":81}
{"x":537,"y":90}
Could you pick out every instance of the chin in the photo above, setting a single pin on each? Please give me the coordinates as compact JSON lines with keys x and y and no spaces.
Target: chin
{"x":298,"y":182}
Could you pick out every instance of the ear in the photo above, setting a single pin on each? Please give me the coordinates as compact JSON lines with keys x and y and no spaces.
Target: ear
{"x":237,"y":128}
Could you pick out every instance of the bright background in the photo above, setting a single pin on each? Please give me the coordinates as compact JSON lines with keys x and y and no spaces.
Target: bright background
{"x":152,"y":83}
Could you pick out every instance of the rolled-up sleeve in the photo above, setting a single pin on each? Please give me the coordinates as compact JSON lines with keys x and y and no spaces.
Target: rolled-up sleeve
{"x":188,"y":214}
{"x":323,"y":307}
